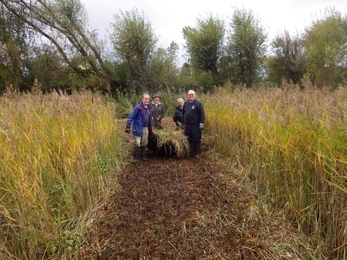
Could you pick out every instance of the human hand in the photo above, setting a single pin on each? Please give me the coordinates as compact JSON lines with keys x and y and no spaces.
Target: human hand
{"x":201,"y":126}
{"x":127,"y":130}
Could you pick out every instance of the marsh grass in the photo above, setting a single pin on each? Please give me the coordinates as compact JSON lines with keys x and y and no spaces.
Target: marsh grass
{"x":58,"y":158}
{"x":293,"y":146}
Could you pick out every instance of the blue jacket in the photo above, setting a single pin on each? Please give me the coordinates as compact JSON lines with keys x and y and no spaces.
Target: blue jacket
{"x":136,"y":119}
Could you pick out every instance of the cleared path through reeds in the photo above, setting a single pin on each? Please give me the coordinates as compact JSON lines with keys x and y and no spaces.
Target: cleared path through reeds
{"x":187,"y":208}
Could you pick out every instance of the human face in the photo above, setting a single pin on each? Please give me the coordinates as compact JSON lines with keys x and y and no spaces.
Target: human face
{"x":180,"y":103}
{"x":145,"y":100}
{"x":191,"y":96}
{"x":156,"y":100}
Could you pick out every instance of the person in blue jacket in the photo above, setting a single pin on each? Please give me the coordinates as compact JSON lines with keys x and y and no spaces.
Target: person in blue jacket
{"x":141,"y":121}
{"x":194,"y":119}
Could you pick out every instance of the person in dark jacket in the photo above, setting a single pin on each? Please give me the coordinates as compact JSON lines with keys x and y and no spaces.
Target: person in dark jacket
{"x":158,"y":111}
{"x":178,"y":114}
{"x":141,"y":121}
{"x":194,"y":119}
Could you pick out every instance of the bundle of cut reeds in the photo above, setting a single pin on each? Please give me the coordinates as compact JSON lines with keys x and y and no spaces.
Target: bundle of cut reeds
{"x":172,"y":141}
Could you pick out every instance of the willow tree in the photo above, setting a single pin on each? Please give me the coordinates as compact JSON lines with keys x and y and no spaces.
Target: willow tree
{"x":246,"y":48}
{"x":204,"y":44}
{"x":289,"y":59}
{"x":15,"y":40}
{"x":325,"y":42}
{"x":134,"y":43}
{"x":63,"y":23}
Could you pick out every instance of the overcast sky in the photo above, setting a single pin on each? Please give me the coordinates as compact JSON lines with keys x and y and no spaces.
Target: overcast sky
{"x":169,"y":17}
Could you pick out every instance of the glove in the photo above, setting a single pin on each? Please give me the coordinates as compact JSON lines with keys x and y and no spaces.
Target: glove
{"x":201,"y":126}
{"x":127,"y":130}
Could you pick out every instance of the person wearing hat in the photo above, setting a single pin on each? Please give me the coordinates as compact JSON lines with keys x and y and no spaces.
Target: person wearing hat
{"x":158,"y":111}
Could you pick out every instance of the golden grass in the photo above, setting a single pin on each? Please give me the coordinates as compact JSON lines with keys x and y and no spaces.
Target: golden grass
{"x":56,"y":153}
{"x":292,"y":145}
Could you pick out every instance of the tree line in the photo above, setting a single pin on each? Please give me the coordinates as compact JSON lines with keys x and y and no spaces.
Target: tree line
{"x":49,"y":42}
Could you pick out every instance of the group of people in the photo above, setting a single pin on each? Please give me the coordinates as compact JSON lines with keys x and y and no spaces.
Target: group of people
{"x":189,"y":115}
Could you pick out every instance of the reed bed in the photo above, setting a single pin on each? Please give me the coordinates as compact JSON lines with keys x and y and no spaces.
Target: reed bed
{"x":293,"y":146}
{"x":58,"y":154}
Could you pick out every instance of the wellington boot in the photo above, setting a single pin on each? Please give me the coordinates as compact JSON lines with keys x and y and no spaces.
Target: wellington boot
{"x":192,"y":148}
{"x":143,"y":153}
{"x":136,"y":154}
{"x":197,"y":150}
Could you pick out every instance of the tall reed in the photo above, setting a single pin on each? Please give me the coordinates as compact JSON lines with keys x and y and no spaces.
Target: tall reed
{"x":292,"y":144}
{"x":58,"y":159}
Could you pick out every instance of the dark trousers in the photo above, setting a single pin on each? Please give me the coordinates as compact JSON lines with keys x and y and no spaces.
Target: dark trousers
{"x":193,"y":134}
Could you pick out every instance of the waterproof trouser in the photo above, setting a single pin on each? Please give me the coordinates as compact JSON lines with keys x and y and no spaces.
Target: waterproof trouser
{"x":193,"y":133}
{"x":194,"y":148}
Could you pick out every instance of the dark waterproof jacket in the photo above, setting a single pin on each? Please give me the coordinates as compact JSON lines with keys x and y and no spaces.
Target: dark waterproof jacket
{"x":136,"y":119}
{"x":193,"y":113}
{"x":178,"y":115}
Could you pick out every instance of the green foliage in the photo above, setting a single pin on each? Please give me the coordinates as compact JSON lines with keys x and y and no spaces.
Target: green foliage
{"x":289,"y":60}
{"x":204,"y":44}
{"x":134,"y":43}
{"x":14,"y":41}
{"x":63,"y":24}
{"x":162,"y":68}
{"x":141,"y":66}
{"x":71,"y":56}
{"x":194,"y":79}
{"x":246,"y":48}
{"x":325,"y":42}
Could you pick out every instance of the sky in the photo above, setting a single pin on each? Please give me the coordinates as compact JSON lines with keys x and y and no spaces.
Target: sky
{"x":169,"y":17}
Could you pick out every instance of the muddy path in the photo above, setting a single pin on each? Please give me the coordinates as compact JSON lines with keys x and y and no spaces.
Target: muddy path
{"x":188,"y":208}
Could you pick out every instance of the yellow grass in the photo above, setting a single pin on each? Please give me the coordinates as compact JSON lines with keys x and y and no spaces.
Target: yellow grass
{"x":58,"y":156}
{"x":293,"y":145}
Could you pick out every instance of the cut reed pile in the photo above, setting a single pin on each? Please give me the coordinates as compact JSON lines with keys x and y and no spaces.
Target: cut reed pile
{"x":172,"y":142}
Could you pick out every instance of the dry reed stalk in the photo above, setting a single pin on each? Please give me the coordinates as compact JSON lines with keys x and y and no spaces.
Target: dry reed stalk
{"x":56,"y":154}
{"x":293,"y":144}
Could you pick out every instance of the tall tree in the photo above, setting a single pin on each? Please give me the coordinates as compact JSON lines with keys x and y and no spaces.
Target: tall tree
{"x":204,"y":43}
{"x":134,"y":43}
{"x":163,"y":69}
{"x":15,"y":40}
{"x":246,"y":47}
{"x":64,"y":24}
{"x":289,"y":60}
{"x":325,"y":42}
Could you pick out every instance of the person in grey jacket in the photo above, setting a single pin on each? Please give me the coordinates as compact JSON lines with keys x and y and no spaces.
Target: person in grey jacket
{"x":158,"y":111}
